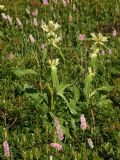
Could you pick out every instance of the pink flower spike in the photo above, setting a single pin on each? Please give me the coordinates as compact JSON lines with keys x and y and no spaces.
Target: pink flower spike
{"x":35,"y":13}
{"x":83,"y":122}
{"x":32,"y":40}
{"x":58,"y":129}
{"x":45,"y":2}
{"x":81,"y":37}
{"x":114,"y":33}
{"x":6,"y":149}
{"x":57,"y":146}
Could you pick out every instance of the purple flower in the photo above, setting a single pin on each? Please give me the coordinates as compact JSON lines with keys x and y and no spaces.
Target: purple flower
{"x":57,"y":146}
{"x":35,"y":13}
{"x":45,"y":2}
{"x":58,"y":128}
{"x":6,"y":149}
{"x":81,"y":37}
{"x":83,"y":122}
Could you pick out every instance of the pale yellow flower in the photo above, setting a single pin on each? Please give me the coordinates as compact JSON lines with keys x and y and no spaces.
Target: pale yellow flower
{"x":2,"y":7}
{"x":54,"y":62}
{"x":99,"y":38}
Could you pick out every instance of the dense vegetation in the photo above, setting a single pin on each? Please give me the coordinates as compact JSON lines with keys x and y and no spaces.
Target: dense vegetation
{"x":60,"y":80}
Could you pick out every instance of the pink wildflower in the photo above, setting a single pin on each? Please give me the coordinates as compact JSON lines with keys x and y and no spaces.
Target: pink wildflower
{"x":64,"y":3}
{"x":57,"y":146}
{"x":35,"y":22}
{"x":35,"y":13}
{"x":19,"y":23}
{"x":43,"y":45}
{"x":114,"y":33}
{"x":83,"y":122}
{"x":58,"y":128}
{"x":81,"y":37}
{"x":45,"y":2}
{"x":32,"y":40}
{"x":6,"y":149}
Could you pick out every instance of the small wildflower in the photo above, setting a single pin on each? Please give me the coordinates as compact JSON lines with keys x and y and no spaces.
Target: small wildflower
{"x":102,"y":52}
{"x":10,"y":56}
{"x":68,"y":1}
{"x":81,"y":37}
{"x":45,"y":2}
{"x":35,"y":22}
{"x":32,"y":40}
{"x":53,"y":62}
{"x":74,"y":7}
{"x":4,"y":16}
{"x":114,"y":33}
{"x":57,"y":146}
{"x":99,"y":38}
{"x":19,"y":23}
{"x":90,"y":143}
{"x":2,"y":7}
{"x":35,"y":13}
{"x":27,"y":11}
{"x":110,"y":51}
{"x":83,"y":122}
{"x":70,"y":18}
{"x":58,"y":128}
{"x":6,"y":149}
{"x":64,"y":3}
{"x":43,"y":46}
{"x":9,"y":19}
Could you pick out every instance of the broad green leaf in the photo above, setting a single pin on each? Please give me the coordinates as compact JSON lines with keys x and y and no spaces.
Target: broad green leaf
{"x":72,"y":111}
{"x":61,"y":88}
{"x":23,"y":72}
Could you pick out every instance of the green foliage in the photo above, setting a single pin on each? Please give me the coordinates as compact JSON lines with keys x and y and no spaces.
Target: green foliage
{"x":59,"y":74}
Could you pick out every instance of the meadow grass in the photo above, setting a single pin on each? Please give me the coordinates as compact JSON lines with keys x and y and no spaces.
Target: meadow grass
{"x":60,"y":80}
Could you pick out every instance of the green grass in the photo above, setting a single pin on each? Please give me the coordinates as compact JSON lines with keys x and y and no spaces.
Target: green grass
{"x":33,"y":91}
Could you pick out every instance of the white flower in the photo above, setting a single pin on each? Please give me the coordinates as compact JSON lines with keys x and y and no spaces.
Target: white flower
{"x":4,"y":16}
{"x":32,"y":40}
{"x":19,"y":23}
{"x":90,"y":143}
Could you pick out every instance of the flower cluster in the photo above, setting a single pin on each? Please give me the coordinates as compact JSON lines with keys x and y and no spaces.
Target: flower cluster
{"x":58,"y":128}
{"x":50,"y":30}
